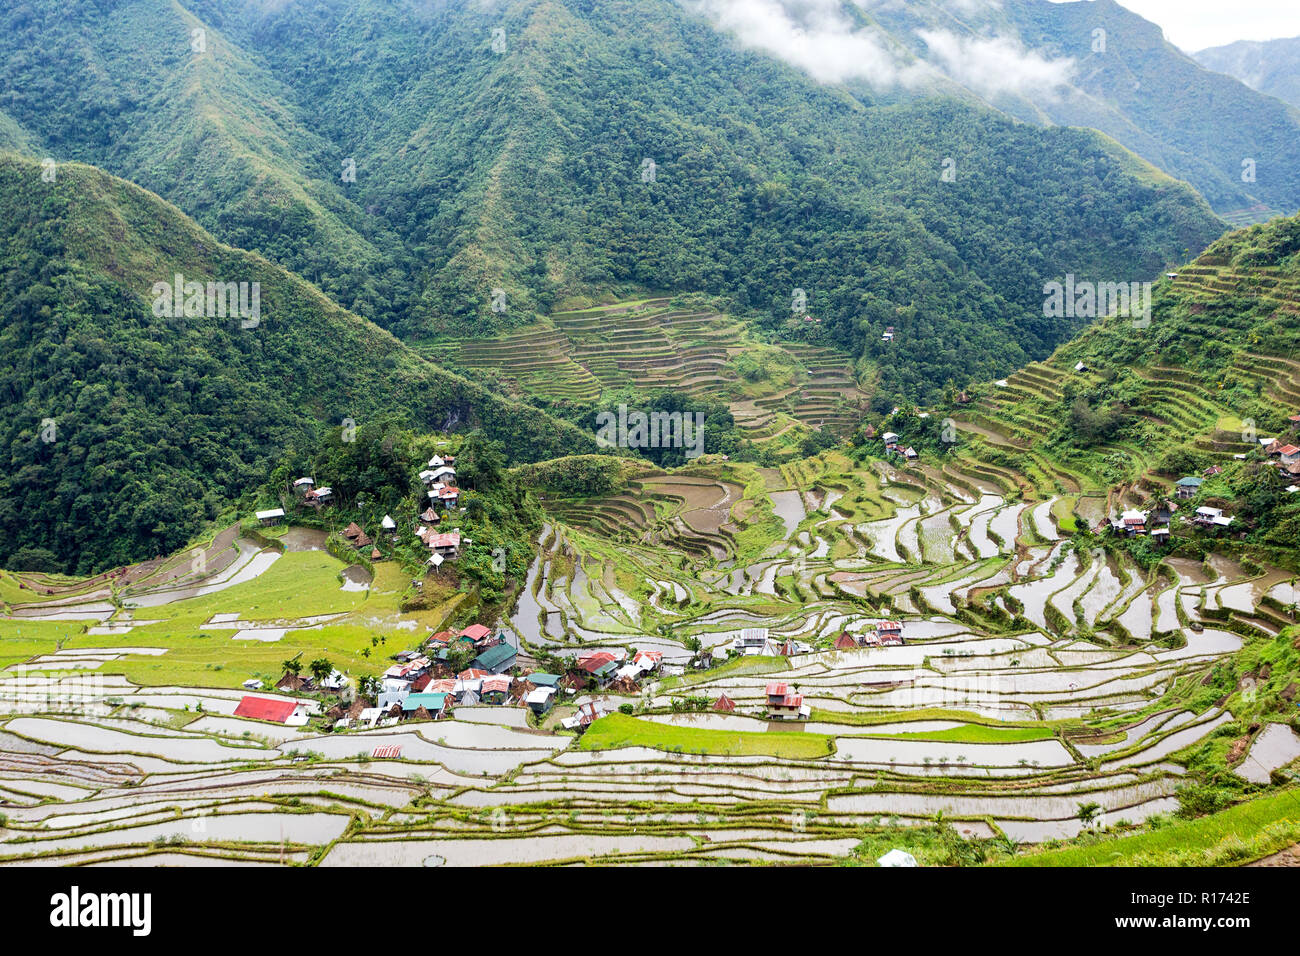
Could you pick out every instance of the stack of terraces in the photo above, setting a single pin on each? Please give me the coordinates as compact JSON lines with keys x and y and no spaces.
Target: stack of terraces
{"x":576,"y":356}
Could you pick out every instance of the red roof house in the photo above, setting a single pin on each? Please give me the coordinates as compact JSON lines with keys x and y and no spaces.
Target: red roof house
{"x":845,"y":642}
{"x":724,"y":704}
{"x":265,"y":708}
{"x":475,"y":632}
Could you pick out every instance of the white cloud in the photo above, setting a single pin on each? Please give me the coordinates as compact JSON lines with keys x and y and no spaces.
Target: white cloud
{"x":810,"y":34}
{"x":815,"y":36}
{"x":992,"y":65}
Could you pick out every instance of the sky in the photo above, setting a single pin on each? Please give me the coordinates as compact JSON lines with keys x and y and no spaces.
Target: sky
{"x":1193,"y":25}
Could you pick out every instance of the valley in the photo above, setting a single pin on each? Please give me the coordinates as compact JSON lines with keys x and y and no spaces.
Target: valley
{"x":1038,"y":676}
{"x":646,"y":433}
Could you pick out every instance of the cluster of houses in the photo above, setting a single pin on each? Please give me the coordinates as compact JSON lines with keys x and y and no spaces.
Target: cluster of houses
{"x":308,"y":494}
{"x":1136,"y":523}
{"x":614,"y":670}
{"x":756,"y":640}
{"x":421,"y":684}
{"x":879,"y":634}
{"x":312,"y":496}
{"x":439,"y":479}
{"x":892,"y":447}
{"x":1286,"y":456}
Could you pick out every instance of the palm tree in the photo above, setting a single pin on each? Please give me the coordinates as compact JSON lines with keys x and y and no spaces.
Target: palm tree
{"x":320,"y":669}
{"x":1088,"y":812}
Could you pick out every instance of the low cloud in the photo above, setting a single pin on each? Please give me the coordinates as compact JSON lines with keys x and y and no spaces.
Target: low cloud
{"x":816,"y":37}
{"x":992,"y":65}
{"x":810,"y":34}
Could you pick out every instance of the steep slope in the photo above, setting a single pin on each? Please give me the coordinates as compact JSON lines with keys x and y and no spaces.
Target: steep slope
{"x":1214,"y":371}
{"x":125,"y":429}
{"x":1119,"y":75}
{"x":145,"y":90}
{"x":1270,"y":66}
{"x":522,"y":170}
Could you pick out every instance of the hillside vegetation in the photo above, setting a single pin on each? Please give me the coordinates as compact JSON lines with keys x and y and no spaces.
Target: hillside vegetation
{"x":126,"y":431}
{"x":523,"y":170}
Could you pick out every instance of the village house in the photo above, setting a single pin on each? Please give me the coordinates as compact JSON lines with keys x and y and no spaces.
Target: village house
{"x":356,"y":536}
{"x":291,"y":713}
{"x":445,"y":547}
{"x":783,"y":703}
{"x":845,"y":642}
{"x":1189,"y":486}
{"x":443,"y":495}
{"x":303,"y":485}
{"x":644,"y":662}
{"x":1131,"y":523}
{"x":1211,"y":518}
{"x":724,"y":704}
{"x":426,"y":706}
{"x":269,"y":517}
{"x":588,"y":713}
{"x":540,"y":699}
{"x":1289,"y":454}
{"x":755,"y":641}
{"x":320,"y":496}
{"x":600,"y":666}
{"x":889,"y":633}
{"x":496,"y":659}
{"x":292,"y":683}
{"x":494,"y":689}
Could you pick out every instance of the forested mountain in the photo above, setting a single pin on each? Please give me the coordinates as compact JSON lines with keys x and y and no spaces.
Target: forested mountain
{"x":1270,"y":66}
{"x":1107,"y":68}
{"x":126,"y":429}
{"x":521,"y":162}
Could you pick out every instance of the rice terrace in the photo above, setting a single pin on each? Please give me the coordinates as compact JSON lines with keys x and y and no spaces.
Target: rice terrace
{"x":840,"y":435}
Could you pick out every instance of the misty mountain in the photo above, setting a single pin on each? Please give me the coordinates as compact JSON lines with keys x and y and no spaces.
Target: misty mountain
{"x":1270,"y":66}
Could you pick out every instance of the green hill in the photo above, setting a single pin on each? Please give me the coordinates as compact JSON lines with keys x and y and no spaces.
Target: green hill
{"x":522,"y":170}
{"x":126,"y":430}
{"x":1214,"y":371}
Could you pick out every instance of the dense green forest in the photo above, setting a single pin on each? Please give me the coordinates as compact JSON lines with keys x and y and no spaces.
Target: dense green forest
{"x":125,"y":431}
{"x":525,"y":170}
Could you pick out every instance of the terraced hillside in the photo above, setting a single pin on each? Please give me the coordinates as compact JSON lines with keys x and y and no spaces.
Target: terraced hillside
{"x":1215,"y":369}
{"x":654,"y":345}
{"x":1039,"y":675}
